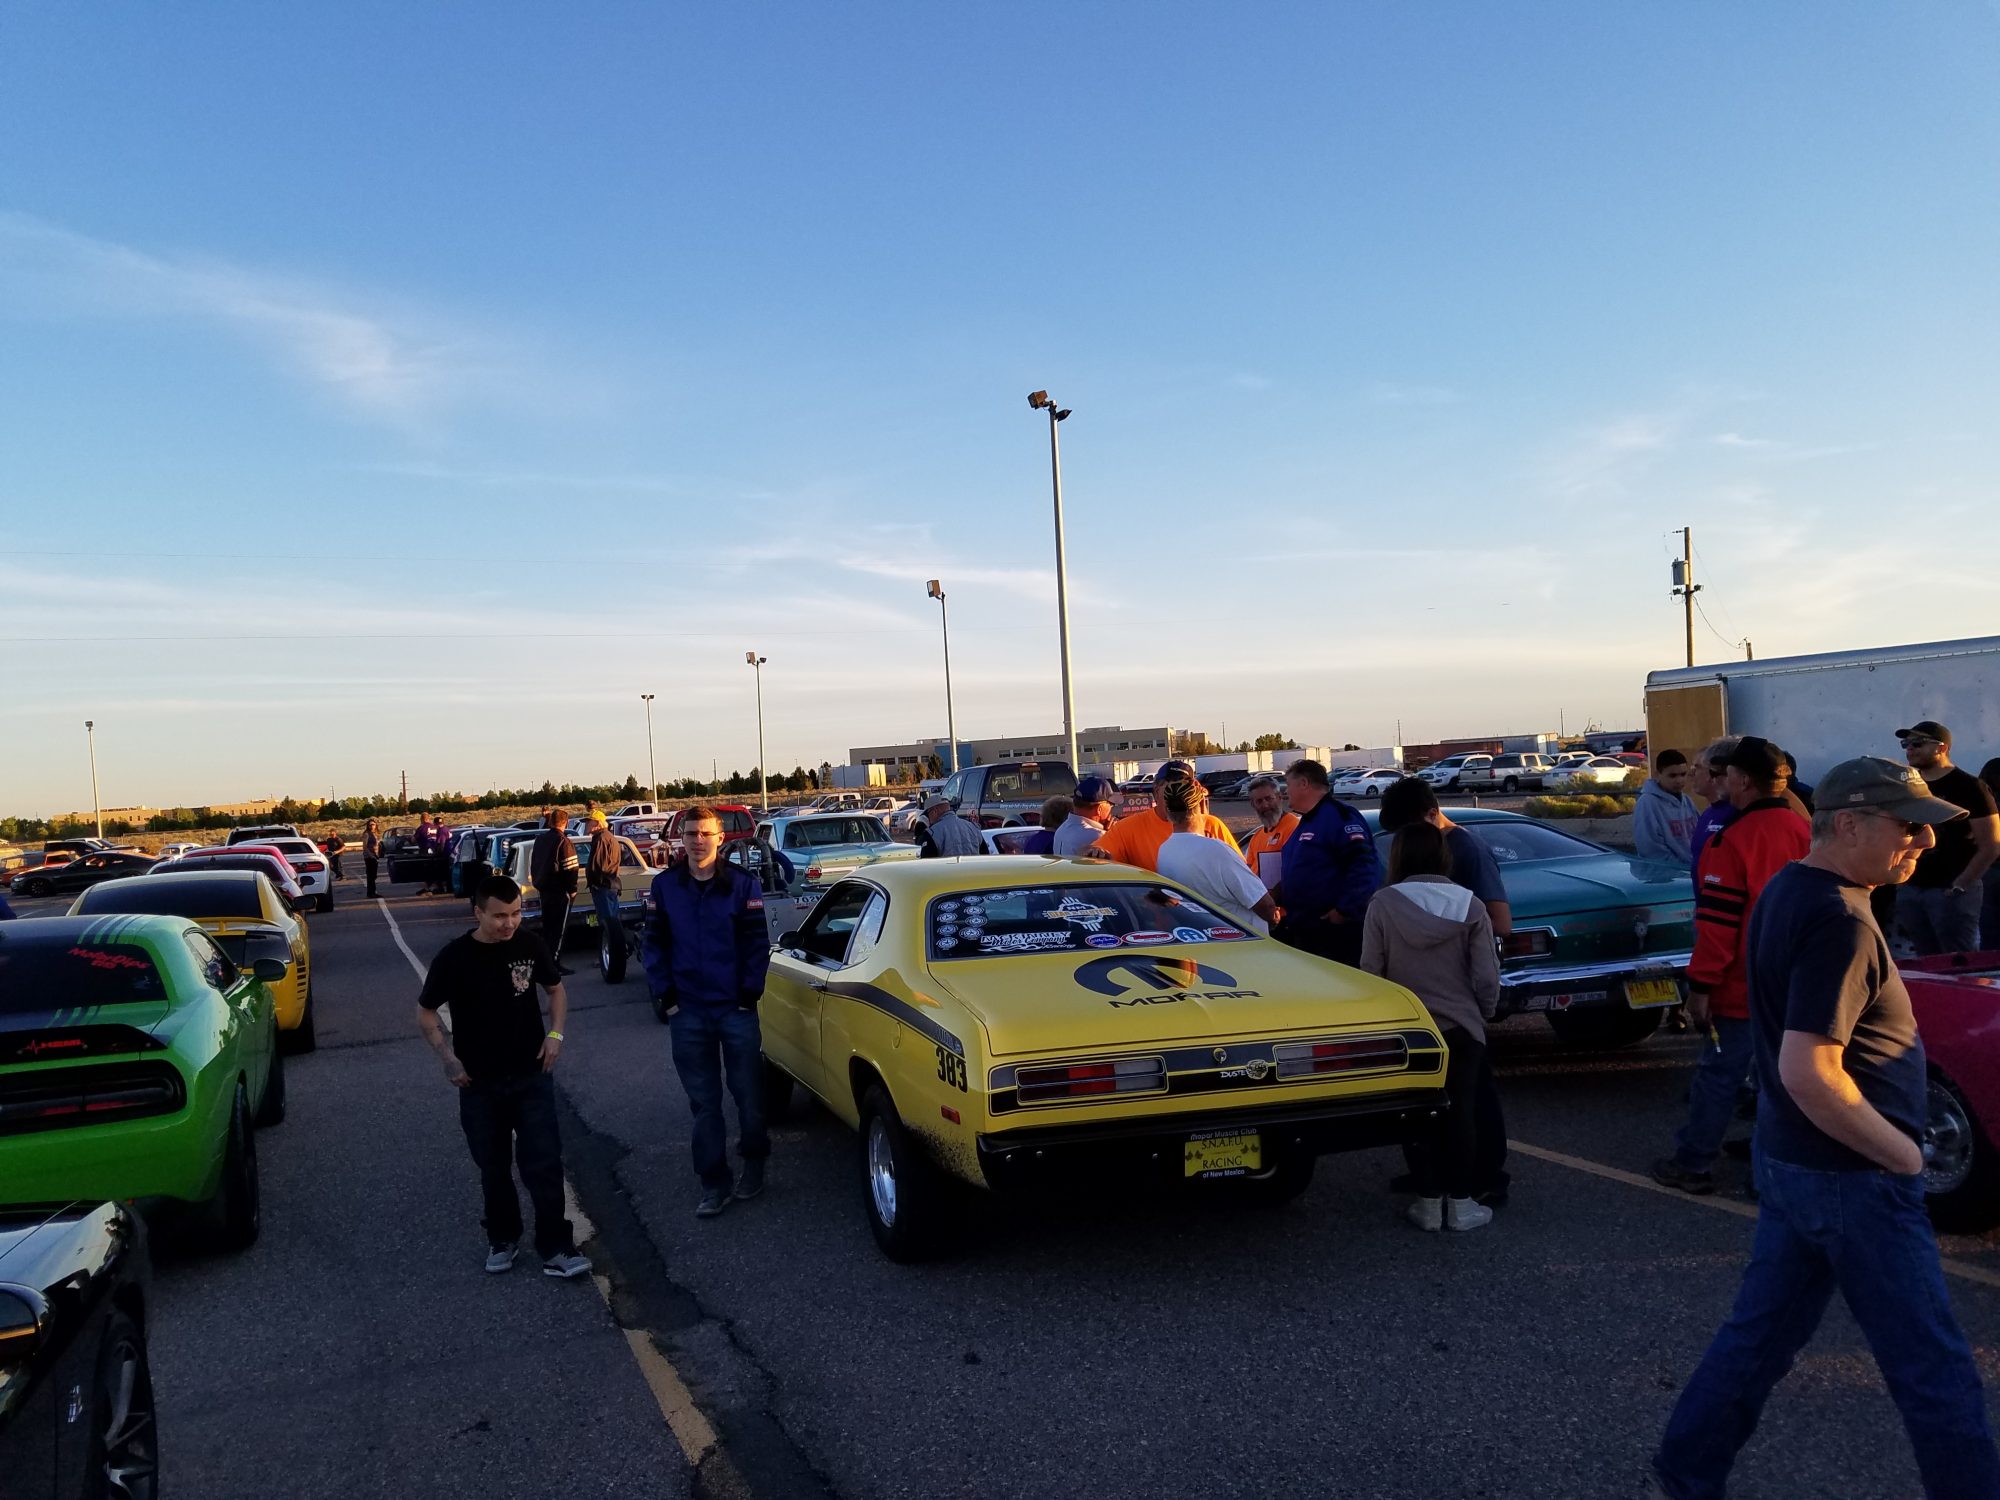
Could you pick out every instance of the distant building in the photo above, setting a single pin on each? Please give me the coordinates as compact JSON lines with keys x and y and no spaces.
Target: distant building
{"x":1104,"y":745}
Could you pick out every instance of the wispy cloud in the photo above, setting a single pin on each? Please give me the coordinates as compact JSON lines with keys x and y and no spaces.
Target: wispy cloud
{"x":887,"y":551}
{"x":1779,"y":450}
{"x":1394,"y":393}
{"x":397,"y":367}
{"x":1605,"y":458}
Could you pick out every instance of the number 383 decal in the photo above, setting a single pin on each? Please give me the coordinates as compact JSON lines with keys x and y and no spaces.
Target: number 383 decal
{"x":951,"y":1069}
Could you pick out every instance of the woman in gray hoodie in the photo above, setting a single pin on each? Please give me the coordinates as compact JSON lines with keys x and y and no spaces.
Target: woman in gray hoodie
{"x":1433,"y":938}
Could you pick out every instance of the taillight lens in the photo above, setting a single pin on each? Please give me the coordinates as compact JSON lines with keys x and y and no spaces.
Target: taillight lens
{"x":312,"y":866}
{"x":1528,"y":942}
{"x":1310,"y":1059}
{"x":1131,"y":1075}
{"x":87,"y":1096}
{"x":813,"y":872}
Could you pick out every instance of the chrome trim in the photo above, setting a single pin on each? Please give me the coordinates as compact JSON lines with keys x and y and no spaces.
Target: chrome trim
{"x":1623,"y":968}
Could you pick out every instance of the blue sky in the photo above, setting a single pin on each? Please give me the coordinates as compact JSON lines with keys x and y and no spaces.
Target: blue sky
{"x":412,"y":387}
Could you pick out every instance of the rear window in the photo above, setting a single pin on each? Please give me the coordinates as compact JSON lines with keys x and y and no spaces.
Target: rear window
{"x":737,"y":823}
{"x":822,"y":833}
{"x":1069,"y":919}
{"x":177,"y":897}
{"x":264,"y":864}
{"x":70,"y":973}
{"x":1028,"y":783}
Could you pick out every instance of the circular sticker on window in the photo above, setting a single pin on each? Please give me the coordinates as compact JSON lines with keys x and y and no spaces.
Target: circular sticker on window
{"x":1190,"y":935}
{"x":1102,"y":940}
{"x":947,"y":942}
{"x":973,"y":929}
{"x":947,"y":929}
{"x":947,"y":906}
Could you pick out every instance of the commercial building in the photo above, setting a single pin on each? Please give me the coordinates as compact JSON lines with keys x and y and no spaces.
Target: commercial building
{"x":1101,"y":746}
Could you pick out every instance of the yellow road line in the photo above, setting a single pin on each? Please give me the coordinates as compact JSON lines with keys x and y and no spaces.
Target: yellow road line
{"x":1963,"y":1270}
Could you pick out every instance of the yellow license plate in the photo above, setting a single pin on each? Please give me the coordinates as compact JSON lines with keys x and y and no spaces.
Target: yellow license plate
{"x":1223,"y":1153}
{"x":1640,"y":994}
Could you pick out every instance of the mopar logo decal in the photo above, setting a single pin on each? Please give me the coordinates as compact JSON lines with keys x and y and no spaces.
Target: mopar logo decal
{"x":1144,"y":980}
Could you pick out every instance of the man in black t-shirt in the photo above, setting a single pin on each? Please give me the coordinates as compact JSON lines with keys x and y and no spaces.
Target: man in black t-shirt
{"x":1938,"y":909}
{"x":1839,"y":1160}
{"x":499,"y":1055}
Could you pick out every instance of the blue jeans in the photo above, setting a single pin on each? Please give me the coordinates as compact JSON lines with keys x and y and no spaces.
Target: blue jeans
{"x":1866,"y":1234}
{"x":1936,"y":921}
{"x":709,"y":1047}
{"x":1712,"y":1094}
{"x":605,"y":904}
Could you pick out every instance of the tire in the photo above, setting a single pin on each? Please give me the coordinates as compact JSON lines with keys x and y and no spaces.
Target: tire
{"x":1604,"y":1026}
{"x":903,"y":1194}
{"x":124,"y":1453}
{"x":611,"y":957}
{"x":1511,"y":785}
{"x":1371,"y":791}
{"x":1961,"y":1170}
{"x":37,"y":888}
{"x":780,"y":1093}
{"x":272,"y":1110}
{"x":325,"y":902}
{"x":303,"y":1037}
{"x":231,"y":1219}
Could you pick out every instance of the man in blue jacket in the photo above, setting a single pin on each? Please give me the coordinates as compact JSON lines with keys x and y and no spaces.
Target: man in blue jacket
{"x":706,"y":950}
{"x":1330,"y":869}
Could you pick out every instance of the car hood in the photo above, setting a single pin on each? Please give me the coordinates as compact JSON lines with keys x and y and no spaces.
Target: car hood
{"x":1114,"y":1000}
{"x":1554,"y":887}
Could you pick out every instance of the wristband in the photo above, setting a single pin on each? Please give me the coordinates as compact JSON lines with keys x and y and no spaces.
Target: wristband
{"x":555,"y":1036}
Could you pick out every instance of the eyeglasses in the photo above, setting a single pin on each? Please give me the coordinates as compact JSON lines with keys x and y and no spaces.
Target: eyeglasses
{"x":1918,"y":739}
{"x":1910,"y":830}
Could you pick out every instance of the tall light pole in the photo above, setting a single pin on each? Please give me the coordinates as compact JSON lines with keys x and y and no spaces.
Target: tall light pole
{"x":763,"y":775}
{"x":944,"y":619}
{"x":652,"y":771}
{"x":1040,"y":401}
{"x":96,"y":807}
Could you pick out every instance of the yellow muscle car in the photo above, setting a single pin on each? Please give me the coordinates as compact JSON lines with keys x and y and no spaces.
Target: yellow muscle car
{"x":1012,"y":1019}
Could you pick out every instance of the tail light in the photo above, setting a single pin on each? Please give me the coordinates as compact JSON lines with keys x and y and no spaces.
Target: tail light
{"x":1312,"y":1059}
{"x":813,"y":873}
{"x":312,"y":867}
{"x":1131,"y":1075}
{"x":63,"y":1097}
{"x":1528,"y":942}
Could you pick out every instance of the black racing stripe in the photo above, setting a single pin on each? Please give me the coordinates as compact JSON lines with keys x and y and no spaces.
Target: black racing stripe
{"x":910,"y":1015}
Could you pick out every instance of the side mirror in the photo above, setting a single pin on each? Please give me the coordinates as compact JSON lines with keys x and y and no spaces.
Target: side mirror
{"x":268,"y":969}
{"x":23,"y":1319}
{"x":790,"y":939}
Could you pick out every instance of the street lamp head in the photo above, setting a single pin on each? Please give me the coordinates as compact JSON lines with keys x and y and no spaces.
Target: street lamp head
{"x":935,"y":588}
{"x":89,"y":723}
{"x":1039,"y":399}
{"x":750,"y":657}
{"x":646,"y":697}
{"x":1061,"y":413}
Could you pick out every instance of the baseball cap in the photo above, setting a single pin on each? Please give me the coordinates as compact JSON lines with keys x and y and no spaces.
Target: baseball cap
{"x":1870,"y":781}
{"x":1092,"y":789}
{"x":1174,"y":770}
{"x":1930,"y":729}
{"x":936,"y":799}
{"x":598,"y":820}
{"x":1757,"y":758}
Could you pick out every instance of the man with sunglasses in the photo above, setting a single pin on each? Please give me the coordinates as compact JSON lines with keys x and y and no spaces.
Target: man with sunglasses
{"x":1839,"y":1160}
{"x":1705,"y":780}
{"x":1938,"y":909}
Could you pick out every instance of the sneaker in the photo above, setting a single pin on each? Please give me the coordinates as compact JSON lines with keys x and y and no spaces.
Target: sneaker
{"x":750,"y":1181}
{"x":1466,"y":1213}
{"x":567,"y":1264}
{"x":1428,"y":1213}
{"x":499,"y":1258}
{"x":1669,"y":1172}
{"x":713,"y":1202}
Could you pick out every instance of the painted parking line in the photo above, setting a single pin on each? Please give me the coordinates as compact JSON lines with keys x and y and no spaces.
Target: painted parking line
{"x":677,"y":1406}
{"x":1963,"y":1270}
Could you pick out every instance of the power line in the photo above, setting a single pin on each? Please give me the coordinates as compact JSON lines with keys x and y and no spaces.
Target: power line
{"x":1732,"y":645}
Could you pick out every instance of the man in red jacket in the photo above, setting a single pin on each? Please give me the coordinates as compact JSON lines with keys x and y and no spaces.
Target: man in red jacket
{"x":1766,"y":835}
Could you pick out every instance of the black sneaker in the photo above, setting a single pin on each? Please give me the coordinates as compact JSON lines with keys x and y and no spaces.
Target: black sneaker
{"x":713,"y":1202}
{"x":566,"y":1264}
{"x":499,"y":1258}
{"x":1668,"y":1172}
{"x":750,"y":1181}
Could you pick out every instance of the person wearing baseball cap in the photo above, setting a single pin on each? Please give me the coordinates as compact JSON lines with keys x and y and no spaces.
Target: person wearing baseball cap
{"x":1089,"y":816}
{"x":1938,"y":907}
{"x":943,"y":833}
{"x":1839,"y":1156}
{"x":1136,"y":840}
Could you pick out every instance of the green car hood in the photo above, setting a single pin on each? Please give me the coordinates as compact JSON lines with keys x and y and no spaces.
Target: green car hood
{"x":1557,"y":887}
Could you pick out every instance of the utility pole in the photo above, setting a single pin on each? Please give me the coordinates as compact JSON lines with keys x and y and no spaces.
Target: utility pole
{"x":651,"y":769}
{"x":1685,"y":586}
{"x":406,"y":792}
{"x":1748,"y":654}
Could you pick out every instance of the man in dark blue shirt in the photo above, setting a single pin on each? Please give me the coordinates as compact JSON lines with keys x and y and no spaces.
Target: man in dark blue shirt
{"x":1840,"y":1118}
{"x":1330,"y":869}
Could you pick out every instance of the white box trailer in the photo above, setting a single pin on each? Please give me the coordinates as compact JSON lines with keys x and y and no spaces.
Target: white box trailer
{"x":1835,"y":705}
{"x":853,"y":778}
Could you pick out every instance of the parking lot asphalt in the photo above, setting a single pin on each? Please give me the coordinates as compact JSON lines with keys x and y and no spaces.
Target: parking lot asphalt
{"x":1122,"y":1347}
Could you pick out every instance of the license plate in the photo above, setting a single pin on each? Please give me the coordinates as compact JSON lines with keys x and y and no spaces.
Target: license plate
{"x":1223,"y":1153}
{"x":1642,"y":994}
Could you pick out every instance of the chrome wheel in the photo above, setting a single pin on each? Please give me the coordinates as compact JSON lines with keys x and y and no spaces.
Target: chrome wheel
{"x":882,"y":1171}
{"x":1949,"y":1143}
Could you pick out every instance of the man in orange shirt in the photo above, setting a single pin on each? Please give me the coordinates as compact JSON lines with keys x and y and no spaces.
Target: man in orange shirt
{"x":1136,"y":840}
{"x":1267,"y":800}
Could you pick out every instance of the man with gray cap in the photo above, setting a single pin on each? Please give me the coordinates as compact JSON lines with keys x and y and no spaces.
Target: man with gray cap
{"x":1840,"y":1119}
{"x":1089,"y":816}
{"x":1938,"y":909}
{"x":944,"y":833}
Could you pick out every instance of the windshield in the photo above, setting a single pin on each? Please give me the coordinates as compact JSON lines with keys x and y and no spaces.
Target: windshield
{"x":1069,"y":919}
{"x":1513,"y":842}
{"x":177,"y":896}
{"x":73,"y":973}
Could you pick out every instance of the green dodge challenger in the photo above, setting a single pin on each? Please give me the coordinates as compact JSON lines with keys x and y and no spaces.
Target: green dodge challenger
{"x":136,"y":1061}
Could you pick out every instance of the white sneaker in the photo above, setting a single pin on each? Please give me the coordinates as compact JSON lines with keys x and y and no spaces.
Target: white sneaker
{"x":1428,"y":1213}
{"x":1466,"y":1213}
{"x":499,"y":1258}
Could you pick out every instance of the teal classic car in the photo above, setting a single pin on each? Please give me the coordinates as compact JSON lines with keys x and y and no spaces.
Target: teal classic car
{"x":827,"y":847}
{"x":1601,"y":940}
{"x":136,"y":1060}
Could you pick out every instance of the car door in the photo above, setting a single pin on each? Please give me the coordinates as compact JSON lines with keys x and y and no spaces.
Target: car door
{"x":795,"y":987}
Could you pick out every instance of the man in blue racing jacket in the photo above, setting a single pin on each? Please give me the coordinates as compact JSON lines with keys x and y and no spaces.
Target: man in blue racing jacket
{"x":706,"y":951}
{"x":1330,"y":869}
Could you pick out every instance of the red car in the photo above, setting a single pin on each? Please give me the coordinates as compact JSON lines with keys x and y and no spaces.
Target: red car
{"x":1956,"y":997}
